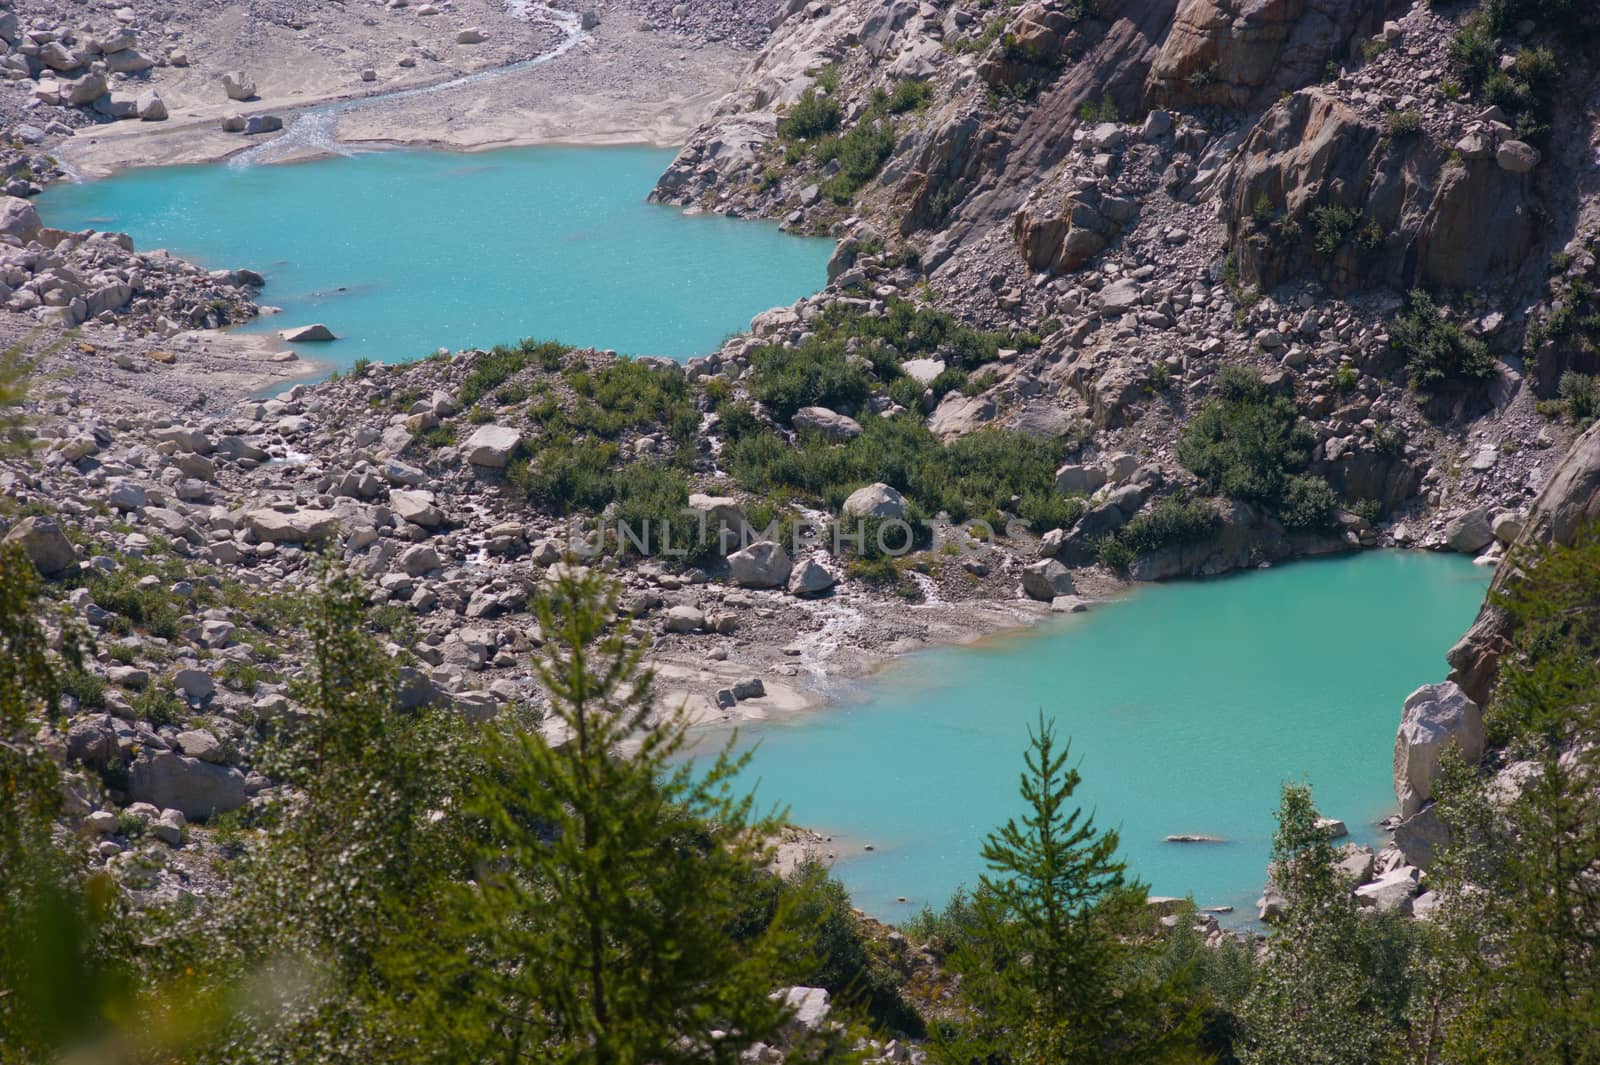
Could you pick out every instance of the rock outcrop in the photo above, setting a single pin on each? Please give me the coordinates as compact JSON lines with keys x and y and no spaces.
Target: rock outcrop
{"x":1233,"y":53}
{"x":1436,"y":717}
{"x":1568,"y":504}
{"x":1317,"y":186}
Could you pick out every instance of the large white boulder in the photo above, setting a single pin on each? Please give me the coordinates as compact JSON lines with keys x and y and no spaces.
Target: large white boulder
{"x":1435,"y":717}
{"x":1046,"y":580}
{"x":46,"y":546}
{"x":294,"y":527}
{"x":237,"y":86}
{"x":875,"y":501}
{"x":491,"y":446}
{"x":19,"y":218}
{"x":761,"y":565}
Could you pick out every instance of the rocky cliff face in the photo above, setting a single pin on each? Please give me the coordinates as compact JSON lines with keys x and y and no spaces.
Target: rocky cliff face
{"x":1568,"y":504}
{"x":1233,"y":53}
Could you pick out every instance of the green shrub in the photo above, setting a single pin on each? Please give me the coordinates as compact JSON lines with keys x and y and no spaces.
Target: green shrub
{"x":1309,"y":504}
{"x":861,"y":153}
{"x":828,"y":77}
{"x":1335,"y":224}
{"x":149,"y":609}
{"x":1245,"y":442}
{"x":1437,"y":351}
{"x":89,"y":689}
{"x":810,"y":117}
{"x":1580,"y":396}
{"x":158,"y":705}
{"x":977,"y":475}
{"x":815,"y":374}
{"x":1172,"y":522}
{"x":1402,"y":123}
{"x":497,"y":366}
{"x":909,"y":95}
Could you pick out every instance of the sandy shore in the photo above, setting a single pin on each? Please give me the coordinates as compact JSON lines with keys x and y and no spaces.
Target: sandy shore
{"x":618,"y":85}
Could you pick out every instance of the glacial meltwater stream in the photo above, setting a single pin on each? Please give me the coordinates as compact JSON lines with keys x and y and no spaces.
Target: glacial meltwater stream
{"x":1188,"y":705}
{"x":402,"y":252}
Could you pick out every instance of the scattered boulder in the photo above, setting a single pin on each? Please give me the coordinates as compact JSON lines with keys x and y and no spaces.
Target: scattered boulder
{"x":292,"y":527}
{"x":491,"y":446}
{"x":1435,"y":717}
{"x":417,"y":507}
{"x":197,"y":789}
{"x":1519,"y":157}
{"x":1046,"y":580}
{"x":46,"y":546}
{"x":237,"y":86}
{"x":472,"y":35}
{"x":764,"y":564}
{"x":810,"y":579}
{"x":1469,"y":533}
{"x":875,"y":501}
{"x":19,"y":219}
{"x":307,"y":334}
{"x":151,"y":107}
{"x":830,"y":424}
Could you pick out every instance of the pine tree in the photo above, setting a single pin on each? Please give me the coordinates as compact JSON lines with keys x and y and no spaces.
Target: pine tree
{"x":1531,"y":888}
{"x":1057,"y":974}
{"x":600,"y":927}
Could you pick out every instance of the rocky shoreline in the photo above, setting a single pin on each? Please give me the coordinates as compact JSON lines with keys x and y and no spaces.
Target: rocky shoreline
{"x":1120,"y":268}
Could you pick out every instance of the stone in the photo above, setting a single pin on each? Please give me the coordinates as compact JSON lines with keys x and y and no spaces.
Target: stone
{"x":128,"y":61}
{"x":829,"y":424}
{"x":472,"y":35}
{"x":1355,"y":864}
{"x":292,"y":527}
{"x":685,"y":619}
{"x":1422,"y":836}
{"x":418,"y":561}
{"x":875,"y":501}
{"x":233,"y":123}
{"x":307,"y":334}
{"x":1046,"y":580}
{"x":417,"y":507}
{"x":195,"y":684}
{"x":808,"y":1008}
{"x":750,"y":688}
{"x":1435,"y":717}
{"x":201,"y":744}
{"x":1518,"y":157}
{"x":810,"y":579}
{"x":491,"y":446}
{"x":1507,"y":526}
{"x":197,"y":789}
{"x":151,"y":107}
{"x":1469,"y":533}
{"x":764,"y":564}
{"x":237,"y":86}
{"x":1391,"y":892}
{"x":1120,"y":297}
{"x":1079,"y":480}
{"x":19,"y":219}
{"x":262,"y":124}
{"x":46,"y":546}
{"x":923,"y":371}
{"x":85,"y":90}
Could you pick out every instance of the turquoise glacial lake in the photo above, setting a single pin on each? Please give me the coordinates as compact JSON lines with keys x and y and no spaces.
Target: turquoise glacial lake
{"x":403,"y":252}
{"x":1188,"y":706}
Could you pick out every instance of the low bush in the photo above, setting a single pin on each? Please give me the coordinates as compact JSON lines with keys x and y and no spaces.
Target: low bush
{"x":910,"y":95}
{"x":1309,"y":504}
{"x":860,"y":153}
{"x":503,"y":362}
{"x":980,"y":475}
{"x":1245,"y":442}
{"x":817,"y":373}
{"x":810,"y":117}
{"x":1436,"y":350}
